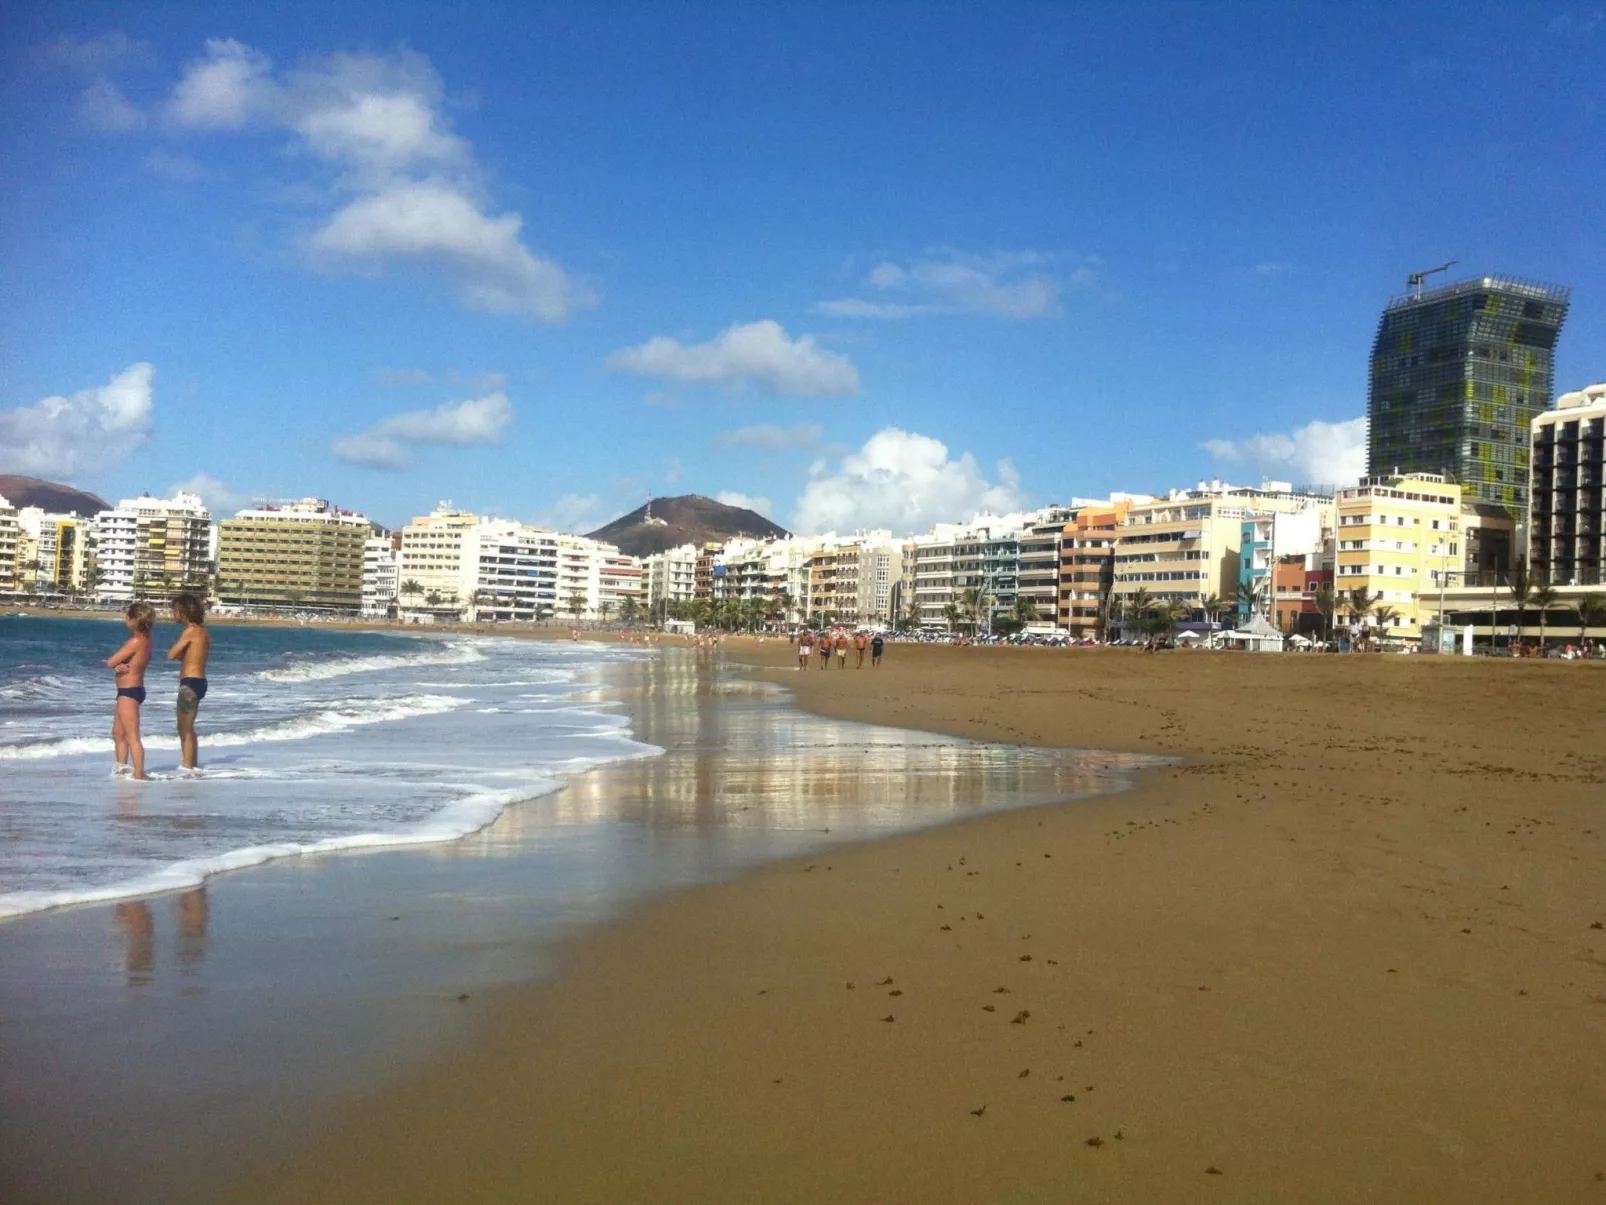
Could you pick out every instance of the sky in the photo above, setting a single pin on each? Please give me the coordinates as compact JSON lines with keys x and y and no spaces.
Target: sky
{"x":859,"y":266}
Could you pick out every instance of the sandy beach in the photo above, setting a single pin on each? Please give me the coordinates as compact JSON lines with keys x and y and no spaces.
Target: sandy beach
{"x":1351,"y":950}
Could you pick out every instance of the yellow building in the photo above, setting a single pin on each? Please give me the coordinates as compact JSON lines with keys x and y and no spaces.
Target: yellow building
{"x":1398,"y":538}
{"x":307,"y":555}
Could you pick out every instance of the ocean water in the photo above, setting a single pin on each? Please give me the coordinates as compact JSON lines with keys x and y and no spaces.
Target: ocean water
{"x":312,"y":740}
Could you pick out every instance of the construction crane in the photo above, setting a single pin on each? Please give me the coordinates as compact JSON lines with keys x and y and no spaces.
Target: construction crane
{"x":1415,"y":279}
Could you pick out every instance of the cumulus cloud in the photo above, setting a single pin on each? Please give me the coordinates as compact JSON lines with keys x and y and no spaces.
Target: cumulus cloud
{"x":903,"y":481}
{"x":744,"y":355}
{"x":1317,"y":453}
{"x":411,"y":194}
{"x":752,"y":502}
{"x":387,"y":444}
{"x":1011,"y":285}
{"x":769,"y":437}
{"x":219,"y":498}
{"x":61,"y":437}
{"x":435,"y":224}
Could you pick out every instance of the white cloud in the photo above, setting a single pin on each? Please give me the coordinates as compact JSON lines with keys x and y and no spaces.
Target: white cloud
{"x":227,"y":88}
{"x":65,"y":436}
{"x":754,"y":353}
{"x":371,"y":451}
{"x":903,"y":481}
{"x":574,"y":513}
{"x":104,"y":107}
{"x":1013,"y":285}
{"x":413,"y":196}
{"x":435,"y":224}
{"x":1317,"y":454}
{"x":476,"y":421}
{"x":753,"y":502}
{"x":772,"y":438}
{"x":386,"y":444}
{"x":219,"y":498}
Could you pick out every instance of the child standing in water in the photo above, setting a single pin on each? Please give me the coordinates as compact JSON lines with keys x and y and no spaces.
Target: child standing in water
{"x":193,"y":645}
{"x":128,"y":664}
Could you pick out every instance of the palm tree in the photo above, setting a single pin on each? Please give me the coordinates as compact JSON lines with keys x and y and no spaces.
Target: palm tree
{"x":432,"y":599}
{"x":1137,"y":605}
{"x":1521,"y":588}
{"x":970,"y":604}
{"x":1327,"y":606}
{"x":1544,"y":597}
{"x":1212,"y":606}
{"x":951,"y":613}
{"x":1591,"y":614}
{"x":410,"y":587}
{"x":577,"y":602}
{"x":1025,"y":609}
{"x":1384,"y":617}
{"x":1359,"y":603}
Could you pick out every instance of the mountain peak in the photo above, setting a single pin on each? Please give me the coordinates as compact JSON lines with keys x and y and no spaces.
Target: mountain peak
{"x":688,"y":519}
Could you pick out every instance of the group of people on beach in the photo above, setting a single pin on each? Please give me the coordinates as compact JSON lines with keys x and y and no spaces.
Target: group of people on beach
{"x":128,"y":664}
{"x":840,"y":642}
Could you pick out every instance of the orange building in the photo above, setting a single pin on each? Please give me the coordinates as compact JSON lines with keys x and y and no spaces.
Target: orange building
{"x":1087,"y":567}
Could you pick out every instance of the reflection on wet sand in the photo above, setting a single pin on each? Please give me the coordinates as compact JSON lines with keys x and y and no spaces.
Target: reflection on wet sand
{"x":138,"y":925}
{"x":739,"y":758}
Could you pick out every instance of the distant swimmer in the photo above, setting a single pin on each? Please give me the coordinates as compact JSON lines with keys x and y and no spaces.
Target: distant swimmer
{"x":194,"y":643}
{"x":128,"y":664}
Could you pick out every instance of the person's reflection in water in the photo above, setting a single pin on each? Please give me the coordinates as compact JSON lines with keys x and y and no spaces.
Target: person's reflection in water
{"x":139,"y":929}
{"x":193,"y":912}
{"x":138,"y":924}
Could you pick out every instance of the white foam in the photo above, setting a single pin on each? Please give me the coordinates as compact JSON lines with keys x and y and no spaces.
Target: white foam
{"x":320,"y":723}
{"x":317,"y":670}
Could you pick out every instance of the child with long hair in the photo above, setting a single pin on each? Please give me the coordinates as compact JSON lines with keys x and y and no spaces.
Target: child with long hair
{"x":128,"y":664}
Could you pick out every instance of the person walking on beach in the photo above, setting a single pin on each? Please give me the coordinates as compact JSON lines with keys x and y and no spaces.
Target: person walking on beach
{"x":805,"y":649}
{"x":877,"y":643}
{"x":194,"y":643}
{"x":861,"y":641}
{"x":842,"y":650}
{"x":128,"y":664}
{"x":825,"y":650}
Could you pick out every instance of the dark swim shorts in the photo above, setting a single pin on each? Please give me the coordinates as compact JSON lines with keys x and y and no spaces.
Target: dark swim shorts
{"x":198,"y":685}
{"x":137,"y":693}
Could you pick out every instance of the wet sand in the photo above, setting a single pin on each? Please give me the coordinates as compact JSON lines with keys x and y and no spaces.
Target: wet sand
{"x":151,"y":1049}
{"x":1352,"y":951}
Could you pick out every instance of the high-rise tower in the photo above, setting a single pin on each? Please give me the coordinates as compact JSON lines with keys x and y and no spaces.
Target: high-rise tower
{"x":1457,"y":374}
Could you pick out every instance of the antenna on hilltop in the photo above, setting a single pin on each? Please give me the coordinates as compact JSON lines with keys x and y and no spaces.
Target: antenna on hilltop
{"x":1415,"y":279}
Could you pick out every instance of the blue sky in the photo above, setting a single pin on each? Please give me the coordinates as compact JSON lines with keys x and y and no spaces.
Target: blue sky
{"x":872,"y":264}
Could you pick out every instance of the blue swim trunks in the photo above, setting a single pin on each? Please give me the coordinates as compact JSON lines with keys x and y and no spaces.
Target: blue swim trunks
{"x":197,"y":685}
{"x":137,"y":693}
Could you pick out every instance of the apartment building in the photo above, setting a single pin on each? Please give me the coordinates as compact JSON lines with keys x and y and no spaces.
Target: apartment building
{"x":52,"y":551}
{"x":1184,"y":548}
{"x":1567,"y":516}
{"x":10,"y":538}
{"x":1398,"y":538}
{"x":517,"y":576}
{"x":621,"y":591}
{"x":307,"y":555}
{"x":1038,"y":563}
{"x":151,"y":548}
{"x":956,"y":565}
{"x":1297,"y":580}
{"x":438,"y":564}
{"x":671,"y":577}
{"x":1265,"y":540}
{"x":380,"y":575}
{"x":1087,"y":565}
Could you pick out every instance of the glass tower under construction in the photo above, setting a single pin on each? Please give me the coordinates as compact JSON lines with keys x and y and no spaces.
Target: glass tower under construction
{"x":1457,"y":374}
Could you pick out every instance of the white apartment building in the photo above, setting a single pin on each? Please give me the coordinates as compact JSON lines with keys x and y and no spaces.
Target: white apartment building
{"x":10,"y":538}
{"x":152,"y":547}
{"x":380,"y":576}
{"x":982,"y":556}
{"x":671,"y":577}
{"x":518,"y":573}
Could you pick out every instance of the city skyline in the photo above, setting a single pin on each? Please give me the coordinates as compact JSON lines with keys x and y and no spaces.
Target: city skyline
{"x":860,"y":269}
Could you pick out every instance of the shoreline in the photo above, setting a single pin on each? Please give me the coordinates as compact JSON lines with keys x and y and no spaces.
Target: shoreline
{"x":1346,"y":951}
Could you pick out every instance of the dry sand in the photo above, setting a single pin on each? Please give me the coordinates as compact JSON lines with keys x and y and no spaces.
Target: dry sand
{"x":1350,"y":951}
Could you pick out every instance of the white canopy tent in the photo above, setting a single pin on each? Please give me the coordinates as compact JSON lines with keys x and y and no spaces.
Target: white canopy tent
{"x":1256,"y":636}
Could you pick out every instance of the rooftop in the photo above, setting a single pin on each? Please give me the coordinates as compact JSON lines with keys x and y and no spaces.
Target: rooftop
{"x":1519,"y":285}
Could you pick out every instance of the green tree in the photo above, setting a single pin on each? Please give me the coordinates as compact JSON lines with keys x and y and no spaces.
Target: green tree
{"x":577,"y":602}
{"x":630,"y":611}
{"x":1327,"y":607}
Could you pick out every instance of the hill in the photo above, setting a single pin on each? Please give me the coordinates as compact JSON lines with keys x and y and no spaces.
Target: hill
{"x":30,"y":491}
{"x":689,"y":519}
